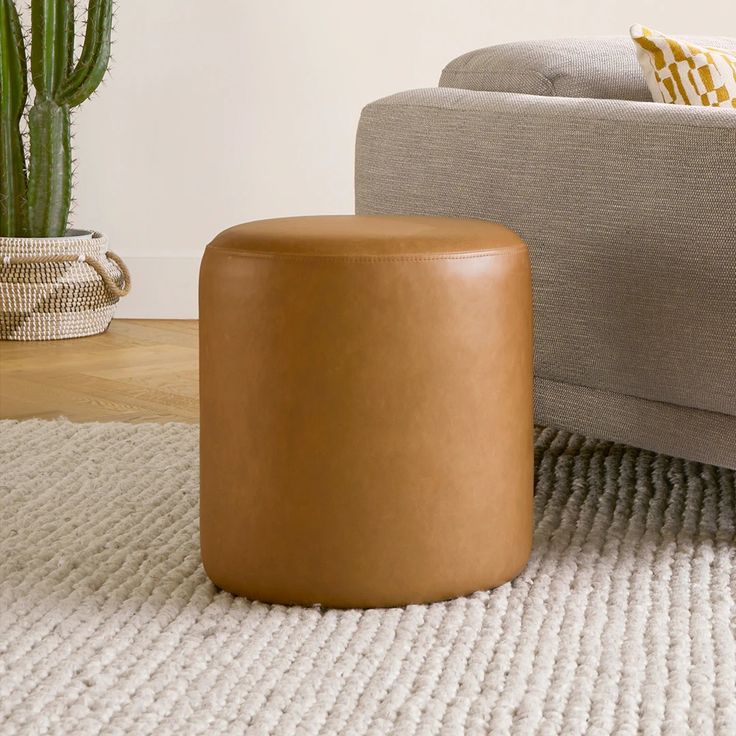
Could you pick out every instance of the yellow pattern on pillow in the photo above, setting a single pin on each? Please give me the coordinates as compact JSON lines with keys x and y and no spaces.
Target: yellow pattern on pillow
{"x":681,"y":73}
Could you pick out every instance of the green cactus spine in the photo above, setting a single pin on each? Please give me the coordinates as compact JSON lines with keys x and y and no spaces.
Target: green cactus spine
{"x":36,"y":203}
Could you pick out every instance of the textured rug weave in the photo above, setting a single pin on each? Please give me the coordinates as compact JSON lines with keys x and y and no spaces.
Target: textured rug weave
{"x":623,"y":622}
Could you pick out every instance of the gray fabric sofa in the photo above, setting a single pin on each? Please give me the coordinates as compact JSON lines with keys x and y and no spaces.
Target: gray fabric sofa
{"x":629,"y":210}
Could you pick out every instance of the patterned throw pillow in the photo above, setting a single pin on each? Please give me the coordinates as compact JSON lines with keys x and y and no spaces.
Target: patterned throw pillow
{"x":684,"y":74}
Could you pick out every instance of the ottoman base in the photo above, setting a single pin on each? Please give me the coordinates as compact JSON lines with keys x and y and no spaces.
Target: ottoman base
{"x":370,"y":593}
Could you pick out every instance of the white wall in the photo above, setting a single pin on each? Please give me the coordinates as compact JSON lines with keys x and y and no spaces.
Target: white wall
{"x":230,"y":110}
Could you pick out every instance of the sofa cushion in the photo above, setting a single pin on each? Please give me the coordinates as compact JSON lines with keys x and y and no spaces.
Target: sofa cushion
{"x":604,"y":68}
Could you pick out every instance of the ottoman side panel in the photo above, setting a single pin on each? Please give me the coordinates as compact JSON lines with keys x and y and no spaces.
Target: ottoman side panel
{"x":366,"y":425}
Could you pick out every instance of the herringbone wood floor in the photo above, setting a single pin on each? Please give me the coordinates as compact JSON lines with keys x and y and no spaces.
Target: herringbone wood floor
{"x":137,"y":371}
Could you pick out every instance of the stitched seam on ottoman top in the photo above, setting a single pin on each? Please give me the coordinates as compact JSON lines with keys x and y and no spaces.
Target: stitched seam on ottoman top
{"x":513,"y":250}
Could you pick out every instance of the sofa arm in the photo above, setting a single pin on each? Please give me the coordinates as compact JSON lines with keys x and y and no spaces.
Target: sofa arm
{"x":629,"y":211}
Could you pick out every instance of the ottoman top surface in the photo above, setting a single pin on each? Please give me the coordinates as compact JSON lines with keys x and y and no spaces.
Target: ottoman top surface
{"x":367,"y":235}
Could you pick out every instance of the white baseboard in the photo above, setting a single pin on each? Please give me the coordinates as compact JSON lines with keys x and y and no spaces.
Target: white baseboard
{"x":164,"y":287}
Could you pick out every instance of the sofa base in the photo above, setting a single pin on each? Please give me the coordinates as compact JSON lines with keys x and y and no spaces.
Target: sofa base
{"x":680,"y":431}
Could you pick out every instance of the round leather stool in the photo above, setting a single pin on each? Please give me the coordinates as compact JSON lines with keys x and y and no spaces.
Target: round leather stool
{"x":366,"y":420}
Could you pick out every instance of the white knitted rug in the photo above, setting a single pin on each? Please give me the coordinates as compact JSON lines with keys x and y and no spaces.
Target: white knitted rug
{"x":623,"y":622}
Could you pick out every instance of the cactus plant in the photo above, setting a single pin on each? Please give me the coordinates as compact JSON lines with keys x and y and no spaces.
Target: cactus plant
{"x":35,"y":196}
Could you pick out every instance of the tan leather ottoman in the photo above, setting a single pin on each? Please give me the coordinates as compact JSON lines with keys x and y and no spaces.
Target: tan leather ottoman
{"x":366,"y":420}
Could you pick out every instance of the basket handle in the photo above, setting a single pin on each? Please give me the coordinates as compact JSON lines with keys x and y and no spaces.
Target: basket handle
{"x":91,"y":261}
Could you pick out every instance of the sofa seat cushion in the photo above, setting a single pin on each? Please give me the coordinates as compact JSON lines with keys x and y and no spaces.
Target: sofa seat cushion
{"x":603,"y":68}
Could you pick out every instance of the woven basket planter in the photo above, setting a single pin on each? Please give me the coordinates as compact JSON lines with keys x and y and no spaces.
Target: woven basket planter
{"x":53,"y":288}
